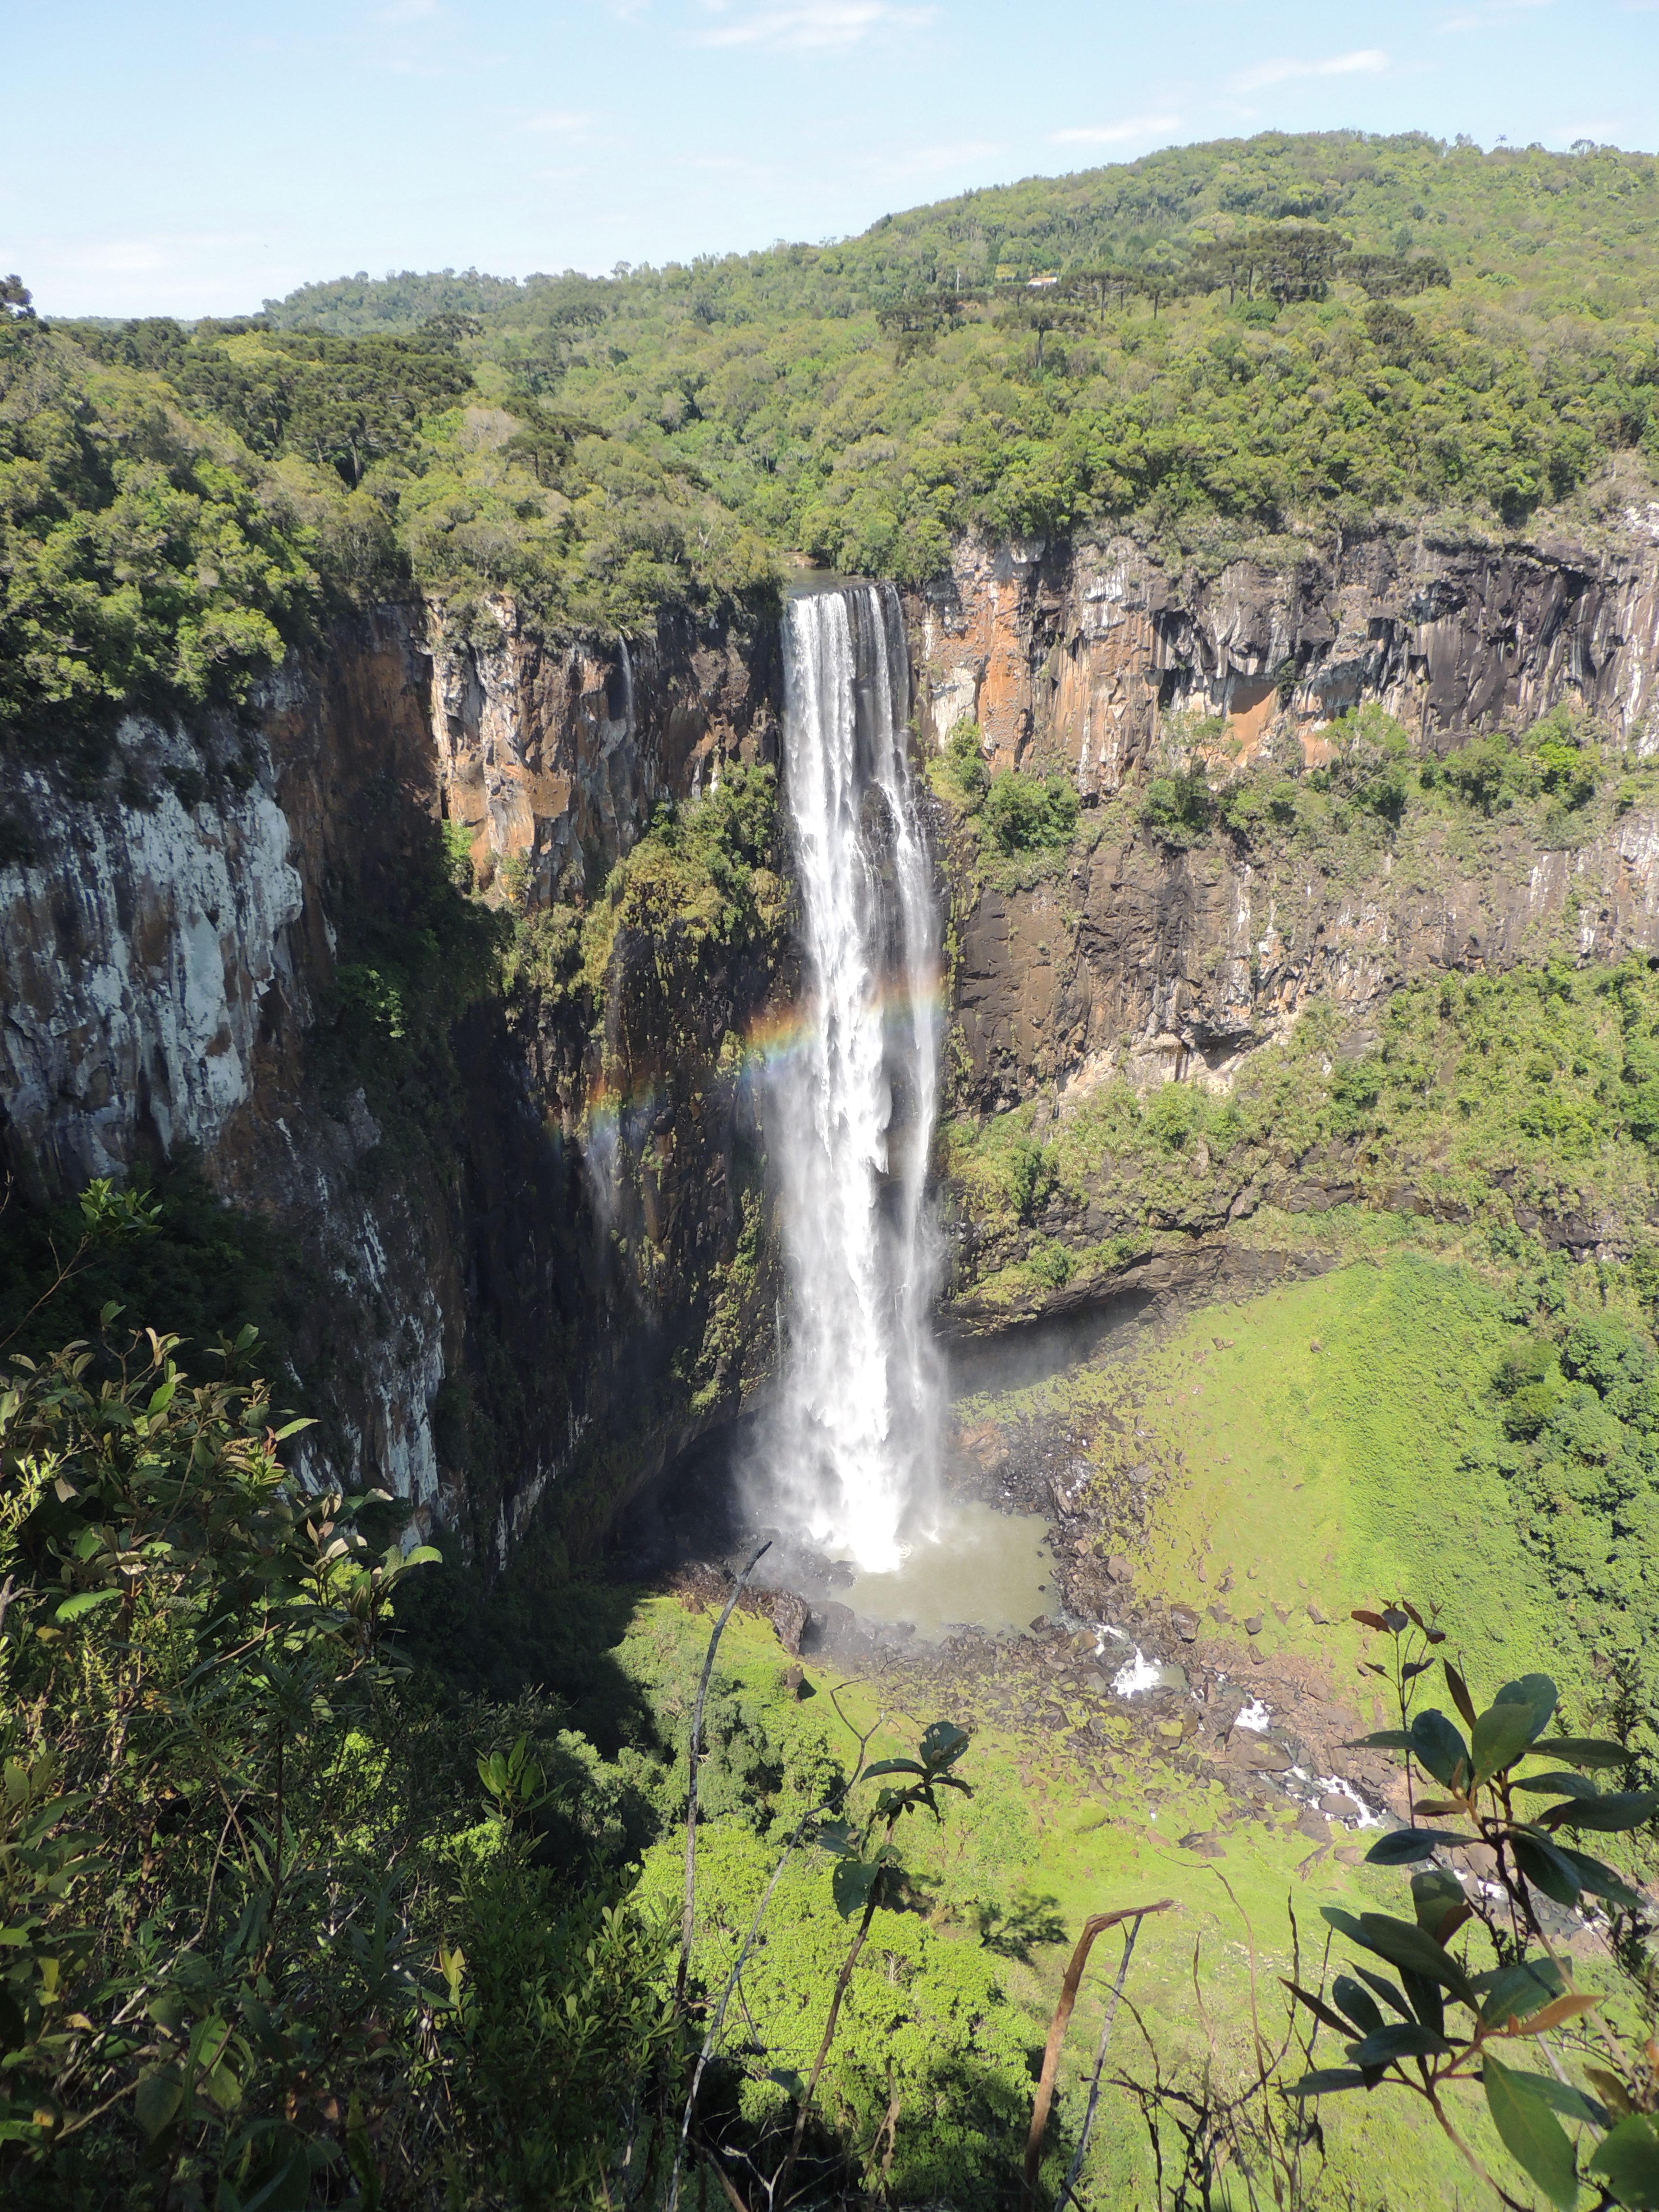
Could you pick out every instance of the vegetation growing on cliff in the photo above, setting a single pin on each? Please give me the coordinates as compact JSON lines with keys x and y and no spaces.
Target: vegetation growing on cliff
{"x":1515,"y":1101}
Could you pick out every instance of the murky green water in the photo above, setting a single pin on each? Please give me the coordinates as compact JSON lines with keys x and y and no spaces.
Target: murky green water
{"x":983,"y":1570}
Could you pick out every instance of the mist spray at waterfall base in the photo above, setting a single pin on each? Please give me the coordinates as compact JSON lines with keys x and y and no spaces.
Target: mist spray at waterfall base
{"x":849,"y":1457}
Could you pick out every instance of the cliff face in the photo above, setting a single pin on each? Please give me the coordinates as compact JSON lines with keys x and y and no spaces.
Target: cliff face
{"x":168,"y":948}
{"x":1139,"y":958}
{"x":554,"y":756}
{"x":548,"y":1269}
{"x":1081,"y":657}
{"x":1072,"y":655}
{"x":1174,"y":965}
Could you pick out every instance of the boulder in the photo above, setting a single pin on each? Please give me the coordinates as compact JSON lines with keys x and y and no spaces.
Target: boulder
{"x":789,"y":1615}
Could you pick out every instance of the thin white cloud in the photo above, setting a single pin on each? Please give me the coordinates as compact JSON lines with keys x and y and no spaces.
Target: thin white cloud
{"x":801,"y":27}
{"x":1367,"y":61}
{"x":1115,"y":134}
{"x":559,"y":122}
{"x":407,"y":11}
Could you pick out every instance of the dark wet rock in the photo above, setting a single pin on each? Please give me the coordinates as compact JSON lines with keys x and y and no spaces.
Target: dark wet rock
{"x":1185,"y":1624}
{"x":1261,"y":1755}
{"x":1118,"y":1569}
{"x":1253,"y":1625}
{"x":1319,"y":1619}
{"x":789,"y":1616}
{"x":1338,"y":1809}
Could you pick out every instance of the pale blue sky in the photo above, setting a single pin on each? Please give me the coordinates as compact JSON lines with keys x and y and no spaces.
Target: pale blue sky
{"x":191,"y":157}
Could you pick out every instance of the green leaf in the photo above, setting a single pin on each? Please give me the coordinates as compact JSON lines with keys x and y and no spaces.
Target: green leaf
{"x":1583,"y":1750}
{"x":1513,"y":1992}
{"x":1389,"y":1991}
{"x":225,"y":2088}
{"x":1398,"y":2038}
{"x":158,"y":2096}
{"x":1325,"y":2080}
{"x":1571,"y":2104}
{"x":1436,"y":1892}
{"x":1383,"y":1740}
{"x":1546,"y":1869}
{"x":1403,"y":1945}
{"x":1404,"y":1845}
{"x":851,"y":1884}
{"x":72,"y":1608}
{"x":1628,"y":2159}
{"x":1619,"y":1809}
{"x":1437,"y":1746}
{"x":1561,"y":1784}
{"x":1500,"y":1735}
{"x":943,"y":1744}
{"x":1426,"y":2001}
{"x":361,"y":2158}
{"x":894,"y":1766}
{"x":1531,"y":2134}
{"x":1600,"y":1881}
{"x":1357,"y":2003}
{"x":1321,"y":2011}
{"x":1537,"y":1690}
{"x":286,"y":2186}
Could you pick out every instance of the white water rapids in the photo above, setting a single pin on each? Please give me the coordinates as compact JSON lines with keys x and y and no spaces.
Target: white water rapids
{"x":853,"y":1449}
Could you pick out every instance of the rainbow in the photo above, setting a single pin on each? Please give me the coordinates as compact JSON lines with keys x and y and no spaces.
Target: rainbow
{"x":775,"y":1037}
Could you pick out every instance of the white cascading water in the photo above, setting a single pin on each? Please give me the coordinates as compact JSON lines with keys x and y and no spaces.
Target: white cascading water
{"x":854,"y":1447}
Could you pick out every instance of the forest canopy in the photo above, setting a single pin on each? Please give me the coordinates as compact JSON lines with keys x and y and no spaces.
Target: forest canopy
{"x":1218,"y":343}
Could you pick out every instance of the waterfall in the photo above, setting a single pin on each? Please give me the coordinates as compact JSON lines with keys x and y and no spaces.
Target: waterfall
{"x":853,"y":1446}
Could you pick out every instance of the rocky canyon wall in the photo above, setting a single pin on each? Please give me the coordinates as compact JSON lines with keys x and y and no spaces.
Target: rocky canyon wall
{"x":171,"y":931}
{"x":538,"y":1245}
{"x":1090,"y":659}
{"x":1075,"y":654}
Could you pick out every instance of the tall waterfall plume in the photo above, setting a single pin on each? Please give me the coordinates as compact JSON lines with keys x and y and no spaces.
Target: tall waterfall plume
{"x":853,"y":1445}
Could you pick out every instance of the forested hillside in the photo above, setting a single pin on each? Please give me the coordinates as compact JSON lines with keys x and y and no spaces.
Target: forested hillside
{"x":1239,"y":341}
